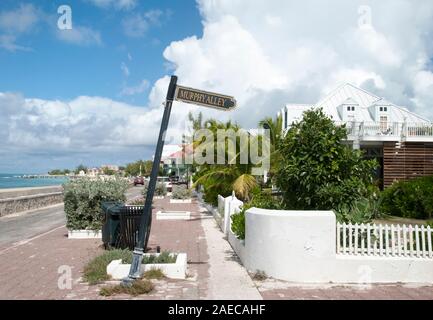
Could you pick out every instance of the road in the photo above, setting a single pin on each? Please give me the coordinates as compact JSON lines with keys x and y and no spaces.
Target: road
{"x":19,"y":227}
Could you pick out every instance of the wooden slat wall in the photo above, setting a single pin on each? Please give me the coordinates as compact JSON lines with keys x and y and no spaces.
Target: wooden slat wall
{"x":410,"y":161}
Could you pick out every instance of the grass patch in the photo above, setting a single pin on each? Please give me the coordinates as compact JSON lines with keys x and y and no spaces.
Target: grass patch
{"x":156,"y":274}
{"x":138,"y":287}
{"x":164,"y":257}
{"x":96,"y":270}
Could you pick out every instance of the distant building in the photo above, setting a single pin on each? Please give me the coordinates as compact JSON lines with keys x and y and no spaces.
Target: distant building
{"x":110,"y":167}
{"x":399,"y":139}
{"x":173,"y":159}
{"x":93,"y":172}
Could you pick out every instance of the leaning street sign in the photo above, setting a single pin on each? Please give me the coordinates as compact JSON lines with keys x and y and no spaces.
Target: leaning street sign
{"x":204,"y":98}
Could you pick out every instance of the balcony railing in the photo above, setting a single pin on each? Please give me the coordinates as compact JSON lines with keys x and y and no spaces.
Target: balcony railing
{"x":388,"y":129}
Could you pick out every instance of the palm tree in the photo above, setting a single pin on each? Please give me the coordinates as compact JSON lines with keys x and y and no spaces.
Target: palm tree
{"x":225,"y":178}
{"x":275,"y":127}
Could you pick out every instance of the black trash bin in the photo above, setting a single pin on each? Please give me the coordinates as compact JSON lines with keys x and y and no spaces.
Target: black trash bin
{"x":111,"y":211}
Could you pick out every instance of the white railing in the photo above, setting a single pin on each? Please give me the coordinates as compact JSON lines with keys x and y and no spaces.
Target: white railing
{"x":385,"y":240}
{"x":418,"y":130}
{"x":390,"y":129}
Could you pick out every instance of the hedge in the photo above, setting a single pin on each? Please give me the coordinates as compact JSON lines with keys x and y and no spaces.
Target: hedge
{"x":409,"y":199}
{"x":83,"y":198}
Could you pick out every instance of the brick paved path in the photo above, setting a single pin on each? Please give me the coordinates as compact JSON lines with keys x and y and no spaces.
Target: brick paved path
{"x":29,"y":269}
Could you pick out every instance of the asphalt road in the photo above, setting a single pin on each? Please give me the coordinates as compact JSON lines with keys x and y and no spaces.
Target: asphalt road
{"x":23,"y":226}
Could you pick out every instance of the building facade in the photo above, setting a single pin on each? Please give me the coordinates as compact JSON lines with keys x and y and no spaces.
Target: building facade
{"x":399,"y":139}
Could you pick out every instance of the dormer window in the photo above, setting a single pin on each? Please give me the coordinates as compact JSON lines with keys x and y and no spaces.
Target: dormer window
{"x":383,"y":109}
{"x":350,"y":108}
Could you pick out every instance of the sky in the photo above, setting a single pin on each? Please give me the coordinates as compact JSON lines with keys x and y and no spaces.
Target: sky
{"x":93,"y":94}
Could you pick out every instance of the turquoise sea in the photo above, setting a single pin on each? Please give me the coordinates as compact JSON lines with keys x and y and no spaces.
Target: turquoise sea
{"x":10,"y":180}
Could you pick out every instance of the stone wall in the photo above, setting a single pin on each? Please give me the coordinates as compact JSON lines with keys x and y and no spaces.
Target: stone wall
{"x":19,"y":200}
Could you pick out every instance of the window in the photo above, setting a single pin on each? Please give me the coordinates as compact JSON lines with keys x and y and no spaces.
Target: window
{"x":385,"y":109}
{"x":348,"y":108}
{"x":353,"y":108}
{"x":381,"y":109}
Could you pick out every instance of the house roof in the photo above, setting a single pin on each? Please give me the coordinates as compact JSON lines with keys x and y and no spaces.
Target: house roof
{"x":350,"y":94}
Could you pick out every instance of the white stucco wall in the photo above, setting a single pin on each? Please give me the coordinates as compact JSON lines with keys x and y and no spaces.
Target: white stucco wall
{"x":299,"y":246}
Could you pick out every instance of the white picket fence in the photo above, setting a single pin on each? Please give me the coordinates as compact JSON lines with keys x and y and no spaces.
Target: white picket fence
{"x":384,"y":240}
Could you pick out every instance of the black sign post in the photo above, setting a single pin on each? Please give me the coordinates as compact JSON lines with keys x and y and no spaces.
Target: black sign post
{"x":187,"y":95}
{"x":146,"y":217}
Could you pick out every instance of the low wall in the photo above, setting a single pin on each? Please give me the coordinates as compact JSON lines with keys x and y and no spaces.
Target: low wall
{"x":300,"y":246}
{"x":23,"y":199}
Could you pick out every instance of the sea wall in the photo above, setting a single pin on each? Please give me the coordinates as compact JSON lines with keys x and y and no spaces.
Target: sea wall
{"x":23,"y":199}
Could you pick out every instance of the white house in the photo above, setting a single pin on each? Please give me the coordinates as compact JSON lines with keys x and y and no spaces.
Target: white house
{"x":399,"y":139}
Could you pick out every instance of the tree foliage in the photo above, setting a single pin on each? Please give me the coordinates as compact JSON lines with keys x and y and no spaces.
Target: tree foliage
{"x":317,"y":170}
{"x":233,"y":175}
{"x":133,"y":169}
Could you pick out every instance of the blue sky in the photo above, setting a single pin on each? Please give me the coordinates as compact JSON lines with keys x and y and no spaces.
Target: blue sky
{"x":55,"y":69}
{"x":93,"y":94}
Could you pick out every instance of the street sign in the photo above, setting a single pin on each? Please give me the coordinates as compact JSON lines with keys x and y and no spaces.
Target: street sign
{"x":204,"y":98}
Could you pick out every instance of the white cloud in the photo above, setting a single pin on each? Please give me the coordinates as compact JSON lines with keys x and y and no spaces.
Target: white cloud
{"x":137,"y":24}
{"x":117,"y":4}
{"x":270,"y":52}
{"x":125,"y":69}
{"x":16,"y":22}
{"x":81,"y":124}
{"x":140,"y":88}
{"x":8,"y":42}
{"x":20,"y":20}
{"x":80,"y":35}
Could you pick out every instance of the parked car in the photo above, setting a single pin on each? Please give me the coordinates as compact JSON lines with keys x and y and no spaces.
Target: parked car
{"x":167,"y":183}
{"x":138,"y":180}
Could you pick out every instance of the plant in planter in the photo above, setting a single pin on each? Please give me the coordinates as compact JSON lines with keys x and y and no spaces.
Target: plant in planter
{"x":160,"y":189}
{"x":83,"y":198}
{"x":181,"y":193}
{"x":136,"y":202}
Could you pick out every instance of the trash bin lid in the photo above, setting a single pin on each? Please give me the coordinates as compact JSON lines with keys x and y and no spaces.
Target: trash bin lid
{"x":112,"y":207}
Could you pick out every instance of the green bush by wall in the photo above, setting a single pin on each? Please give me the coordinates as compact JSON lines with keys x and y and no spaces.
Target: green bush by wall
{"x":409,"y":199}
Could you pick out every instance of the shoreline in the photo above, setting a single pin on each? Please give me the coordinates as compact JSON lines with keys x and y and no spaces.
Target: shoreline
{"x":17,"y":189}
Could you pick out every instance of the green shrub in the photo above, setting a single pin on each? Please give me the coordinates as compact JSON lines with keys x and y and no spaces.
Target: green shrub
{"x":318,"y":171}
{"x":181,"y":192}
{"x":83,"y":198}
{"x":409,"y":199}
{"x":361,"y":211}
{"x":238,"y":224}
{"x":259,"y":200}
{"x":160,"y":189}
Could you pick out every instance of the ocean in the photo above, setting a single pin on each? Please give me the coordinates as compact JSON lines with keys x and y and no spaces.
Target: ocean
{"x":9,"y":180}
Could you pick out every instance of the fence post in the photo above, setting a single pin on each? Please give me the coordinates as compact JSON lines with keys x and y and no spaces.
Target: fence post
{"x":232,"y":205}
